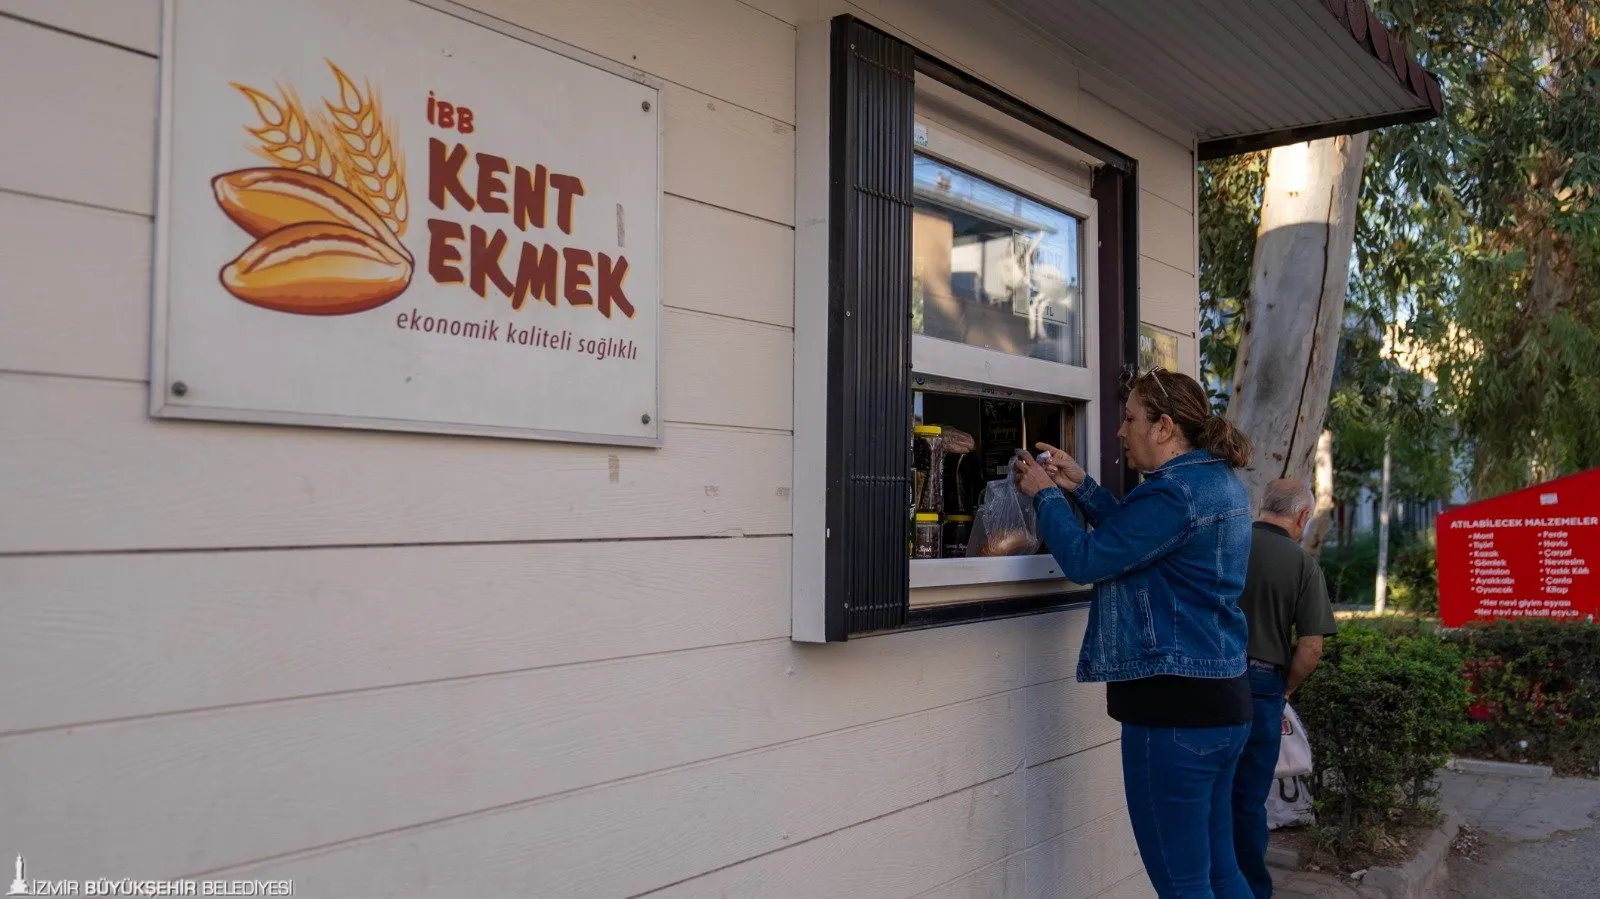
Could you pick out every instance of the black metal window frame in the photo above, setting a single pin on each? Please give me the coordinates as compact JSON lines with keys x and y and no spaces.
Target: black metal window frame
{"x":870,"y":148}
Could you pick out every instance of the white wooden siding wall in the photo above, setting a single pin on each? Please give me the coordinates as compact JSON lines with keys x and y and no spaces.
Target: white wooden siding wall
{"x":385,"y":664}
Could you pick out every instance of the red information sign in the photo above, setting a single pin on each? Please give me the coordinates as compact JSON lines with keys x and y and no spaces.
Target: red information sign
{"x":1526,"y":554}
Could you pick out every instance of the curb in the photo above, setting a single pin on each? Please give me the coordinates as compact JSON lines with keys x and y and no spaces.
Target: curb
{"x":1500,"y":769}
{"x":1285,"y":859}
{"x":1413,"y":879}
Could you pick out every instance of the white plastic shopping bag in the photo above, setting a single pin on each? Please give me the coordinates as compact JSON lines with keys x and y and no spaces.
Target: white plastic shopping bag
{"x":1289,"y":803}
{"x":1294,"y":753}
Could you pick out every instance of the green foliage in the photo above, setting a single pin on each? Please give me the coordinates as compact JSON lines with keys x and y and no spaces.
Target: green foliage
{"x":1378,"y":405}
{"x":1230,"y":213}
{"x":1538,"y":682}
{"x":1482,"y":226}
{"x":1384,"y":712}
{"x":1413,"y":574}
{"x":1350,"y":570}
{"x":1473,"y":325}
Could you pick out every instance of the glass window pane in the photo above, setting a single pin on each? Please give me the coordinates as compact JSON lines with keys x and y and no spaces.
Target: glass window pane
{"x":994,"y":269}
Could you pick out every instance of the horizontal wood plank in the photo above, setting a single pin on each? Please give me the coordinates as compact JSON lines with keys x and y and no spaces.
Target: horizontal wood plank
{"x":789,"y":11}
{"x":727,"y":48}
{"x":899,"y":855}
{"x":119,"y":636}
{"x":100,"y":148}
{"x":1166,"y":167}
{"x":147,"y":795}
{"x":1004,"y":879}
{"x":77,"y":289}
{"x":983,"y":42}
{"x":1073,"y":865}
{"x":1137,"y":886}
{"x":1168,"y":296}
{"x":723,"y":371}
{"x":1060,"y":796}
{"x":86,"y":131}
{"x":727,"y":264}
{"x":135,"y":24}
{"x":1084,"y":861}
{"x":1068,"y":723}
{"x":722,"y":48}
{"x":82,"y":467}
{"x":1072,"y":791}
{"x":1189,"y":356}
{"x":628,"y":838}
{"x":721,"y":154}
{"x":79,"y":299}
{"x":1166,"y":232}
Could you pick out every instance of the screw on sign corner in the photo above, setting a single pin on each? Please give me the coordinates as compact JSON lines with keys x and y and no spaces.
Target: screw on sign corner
{"x":645,"y":418}
{"x":180,"y":389}
{"x":645,"y":106}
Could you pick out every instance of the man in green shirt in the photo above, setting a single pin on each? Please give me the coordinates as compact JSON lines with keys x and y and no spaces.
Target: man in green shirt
{"x":1284,"y":597}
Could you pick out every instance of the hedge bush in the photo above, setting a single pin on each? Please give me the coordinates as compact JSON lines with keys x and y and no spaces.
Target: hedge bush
{"x":1413,"y":574}
{"x":1536,"y":691}
{"x":1384,"y":711}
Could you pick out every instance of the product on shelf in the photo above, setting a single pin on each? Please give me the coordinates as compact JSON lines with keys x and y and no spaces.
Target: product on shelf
{"x":928,"y":474}
{"x":927,"y":541}
{"x":957,"y":531}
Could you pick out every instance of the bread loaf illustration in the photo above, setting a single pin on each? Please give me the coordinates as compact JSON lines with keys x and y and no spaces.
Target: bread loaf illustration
{"x":263,"y":200}
{"x":327,"y":212}
{"x":318,"y":268}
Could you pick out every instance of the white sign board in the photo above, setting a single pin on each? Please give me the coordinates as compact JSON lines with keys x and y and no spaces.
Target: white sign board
{"x":381,"y":214}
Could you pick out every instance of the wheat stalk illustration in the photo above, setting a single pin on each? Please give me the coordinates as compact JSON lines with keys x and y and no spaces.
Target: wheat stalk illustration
{"x":288,"y":138}
{"x":373,"y":163}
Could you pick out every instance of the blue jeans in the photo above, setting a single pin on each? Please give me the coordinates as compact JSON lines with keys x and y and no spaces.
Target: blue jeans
{"x":1179,"y":784}
{"x":1254,"y":779}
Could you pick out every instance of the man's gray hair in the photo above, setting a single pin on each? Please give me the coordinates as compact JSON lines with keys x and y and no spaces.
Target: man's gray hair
{"x":1287,"y":498}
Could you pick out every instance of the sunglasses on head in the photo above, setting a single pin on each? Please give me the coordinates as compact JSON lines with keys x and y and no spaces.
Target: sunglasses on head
{"x":1129,"y":376}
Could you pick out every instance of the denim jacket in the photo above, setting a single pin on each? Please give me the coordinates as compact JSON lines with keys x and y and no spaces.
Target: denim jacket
{"x":1167,"y":563}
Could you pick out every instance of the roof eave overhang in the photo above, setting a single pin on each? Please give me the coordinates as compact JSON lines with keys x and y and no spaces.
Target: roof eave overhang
{"x":1250,"y":143}
{"x":1363,"y":27}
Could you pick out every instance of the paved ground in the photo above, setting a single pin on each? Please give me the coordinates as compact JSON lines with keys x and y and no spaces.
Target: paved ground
{"x":1308,"y":885}
{"x":1537,"y":839}
{"x":1540,"y":839}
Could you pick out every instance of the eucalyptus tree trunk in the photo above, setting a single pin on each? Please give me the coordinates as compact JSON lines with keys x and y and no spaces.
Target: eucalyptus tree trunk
{"x":1322,"y":513}
{"x":1290,"y":340}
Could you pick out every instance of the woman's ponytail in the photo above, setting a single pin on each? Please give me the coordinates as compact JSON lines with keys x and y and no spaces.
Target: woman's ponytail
{"x":1225,"y":441}
{"x":1181,"y":398}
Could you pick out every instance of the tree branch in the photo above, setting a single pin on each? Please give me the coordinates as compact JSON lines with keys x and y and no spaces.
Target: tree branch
{"x":1533,"y":78}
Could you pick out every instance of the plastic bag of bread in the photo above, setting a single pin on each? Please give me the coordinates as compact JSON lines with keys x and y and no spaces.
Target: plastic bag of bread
{"x":1005,"y":524}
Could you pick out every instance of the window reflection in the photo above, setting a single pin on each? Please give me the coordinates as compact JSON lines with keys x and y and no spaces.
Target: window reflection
{"x":994,"y":269}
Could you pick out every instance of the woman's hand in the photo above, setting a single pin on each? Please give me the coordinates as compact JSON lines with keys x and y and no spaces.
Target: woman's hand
{"x":1030,"y":475}
{"x":1062,"y":468}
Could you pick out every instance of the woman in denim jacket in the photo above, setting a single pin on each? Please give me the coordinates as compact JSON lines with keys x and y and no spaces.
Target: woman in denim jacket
{"x":1165,"y":630}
